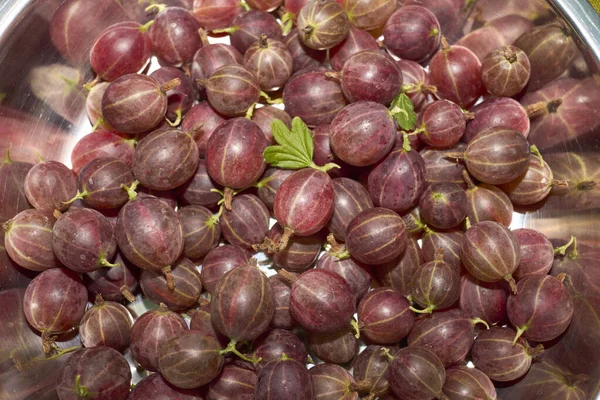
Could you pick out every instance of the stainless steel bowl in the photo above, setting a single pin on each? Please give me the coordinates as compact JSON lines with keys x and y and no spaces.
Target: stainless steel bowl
{"x":42,"y":111}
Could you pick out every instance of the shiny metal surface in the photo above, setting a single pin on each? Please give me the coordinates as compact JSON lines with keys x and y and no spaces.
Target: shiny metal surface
{"x":583,"y":20}
{"x":43,"y":113}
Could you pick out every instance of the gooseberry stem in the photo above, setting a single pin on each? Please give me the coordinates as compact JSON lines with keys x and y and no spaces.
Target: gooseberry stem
{"x":269,"y":100}
{"x":467,"y":178}
{"x":203,"y":36}
{"x":169,"y":277}
{"x":147,"y":25}
{"x":105,"y":263}
{"x":467,"y":223}
{"x":428,"y":310}
{"x":232,"y":349}
{"x":285,"y":238}
{"x":82,"y":391}
{"x":173,"y":83}
{"x":88,"y":86}
{"x":323,"y":168}
{"x":445,"y":45}
{"x":131,"y":189}
{"x":215,"y":218}
{"x":78,"y":196}
{"x":59,"y":354}
{"x":535,"y":151}
{"x":99,"y":122}
{"x":476,"y":321}
{"x":512,"y":283}
{"x":336,"y":249}
{"x":356,"y":327}
{"x":387,"y":353}
{"x":230,"y":30}
{"x":455,"y":155}
{"x":563,"y":249}
{"x":263,"y":182}
{"x":177,"y":118}
{"x":520,"y":331}
{"x":406,"y":142}
{"x":228,"y":194}
{"x":127,"y":294}
{"x":48,"y":342}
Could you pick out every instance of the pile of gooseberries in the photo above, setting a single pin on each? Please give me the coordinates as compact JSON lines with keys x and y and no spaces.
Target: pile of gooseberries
{"x":306,"y":212}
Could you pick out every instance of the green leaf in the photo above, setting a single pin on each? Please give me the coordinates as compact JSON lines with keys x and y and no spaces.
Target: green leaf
{"x":295,"y":147}
{"x":403,"y":111}
{"x":286,"y":139}
{"x":300,"y":129}
{"x":278,"y":154}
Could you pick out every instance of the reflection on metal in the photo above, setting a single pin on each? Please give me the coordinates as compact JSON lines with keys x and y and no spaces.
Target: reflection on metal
{"x":583,"y":20}
{"x":10,"y":11}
